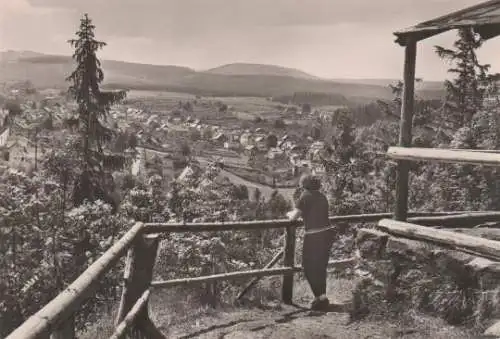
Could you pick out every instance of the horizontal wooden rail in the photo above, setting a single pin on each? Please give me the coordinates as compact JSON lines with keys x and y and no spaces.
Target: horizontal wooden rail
{"x":217,"y":226}
{"x":245,"y":274}
{"x":489,"y":248}
{"x":129,"y":319}
{"x":63,"y":306}
{"x":266,"y":224}
{"x":457,"y":220}
{"x":444,"y":155}
{"x":226,"y":276}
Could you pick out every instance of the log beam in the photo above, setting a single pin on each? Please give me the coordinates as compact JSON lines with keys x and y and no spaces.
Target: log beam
{"x":458,"y":220}
{"x":445,"y":156}
{"x":489,"y":248}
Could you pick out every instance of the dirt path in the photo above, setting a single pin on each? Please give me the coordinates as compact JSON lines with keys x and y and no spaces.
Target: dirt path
{"x":292,"y":322}
{"x":276,"y":321}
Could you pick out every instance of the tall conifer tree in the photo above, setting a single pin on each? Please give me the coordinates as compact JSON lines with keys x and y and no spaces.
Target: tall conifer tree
{"x":93,"y":109}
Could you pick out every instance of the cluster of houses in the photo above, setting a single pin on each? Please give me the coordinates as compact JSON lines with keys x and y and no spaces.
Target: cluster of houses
{"x":295,"y":149}
{"x":298,"y":151}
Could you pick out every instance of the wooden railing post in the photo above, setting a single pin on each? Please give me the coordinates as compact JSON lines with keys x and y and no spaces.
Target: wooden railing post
{"x":137,"y":279}
{"x":405,"y":130}
{"x":288,"y":261}
{"x":66,"y":330}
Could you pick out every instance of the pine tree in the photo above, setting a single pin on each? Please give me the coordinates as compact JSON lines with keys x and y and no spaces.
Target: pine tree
{"x":467,"y":92}
{"x":93,"y":108}
{"x":473,"y":121}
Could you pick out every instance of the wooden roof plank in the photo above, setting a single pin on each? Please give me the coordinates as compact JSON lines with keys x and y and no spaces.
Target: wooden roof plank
{"x":486,"y":14}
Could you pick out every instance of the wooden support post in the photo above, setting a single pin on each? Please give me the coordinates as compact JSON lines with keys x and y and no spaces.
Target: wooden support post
{"x":66,"y":331}
{"x":138,"y":275}
{"x":405,"y":133}
{"x":289,"y":261}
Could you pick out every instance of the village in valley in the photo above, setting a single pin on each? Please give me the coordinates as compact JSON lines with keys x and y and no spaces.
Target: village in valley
{"x":260,"y":145}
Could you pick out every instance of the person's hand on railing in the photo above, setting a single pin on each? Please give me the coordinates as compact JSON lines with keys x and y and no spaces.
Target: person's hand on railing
{"x":293,"y":214}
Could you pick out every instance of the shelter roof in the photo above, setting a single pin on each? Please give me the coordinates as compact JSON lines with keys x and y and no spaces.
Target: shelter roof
{"x":484,"y":18}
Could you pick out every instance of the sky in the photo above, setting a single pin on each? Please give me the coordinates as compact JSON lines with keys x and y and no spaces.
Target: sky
{"x":327,"y":38}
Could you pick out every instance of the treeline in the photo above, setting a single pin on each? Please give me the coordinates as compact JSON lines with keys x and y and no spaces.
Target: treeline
{"x":313,"y":98}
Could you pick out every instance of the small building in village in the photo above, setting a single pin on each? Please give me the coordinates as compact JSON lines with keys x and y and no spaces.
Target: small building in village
{"x":219,"y":138}
{"x":246,"y":139}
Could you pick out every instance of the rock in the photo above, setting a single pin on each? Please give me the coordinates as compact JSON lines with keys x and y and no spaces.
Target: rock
{"x":371,"y":243}
{"x":479,"y":264}
{"x":452,"y":259}
{"x":454,"y":264}
{"x":488,"y":306}
{"x":493,"y":330}
{"x":487,"y":271}
{"x":409,"y":249}
{"x":490,"y":276}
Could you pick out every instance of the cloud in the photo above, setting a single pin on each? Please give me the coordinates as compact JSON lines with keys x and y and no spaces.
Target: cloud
{"x":164,"y":17}
{"x":21,"y":23}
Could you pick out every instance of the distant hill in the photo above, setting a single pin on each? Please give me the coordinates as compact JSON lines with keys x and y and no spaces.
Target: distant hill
{"x":424,"y":87}
{"x":50,"y":71}
{"x":259,"y":69}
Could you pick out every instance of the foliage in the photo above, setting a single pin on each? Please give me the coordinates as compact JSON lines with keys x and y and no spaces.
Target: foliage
{"x":13,"y":107}
{"x":46,"y":244}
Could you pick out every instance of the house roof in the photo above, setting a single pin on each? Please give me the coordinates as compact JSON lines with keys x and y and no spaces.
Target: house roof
{"x":218,"y":136}
{"x":484,"y":18}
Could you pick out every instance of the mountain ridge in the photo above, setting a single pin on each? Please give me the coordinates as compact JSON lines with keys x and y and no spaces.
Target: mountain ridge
{"x":243,"y":68}
{"x":235,"y":79}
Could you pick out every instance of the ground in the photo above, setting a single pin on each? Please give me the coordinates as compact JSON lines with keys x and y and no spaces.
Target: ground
{"x":274,"y":320}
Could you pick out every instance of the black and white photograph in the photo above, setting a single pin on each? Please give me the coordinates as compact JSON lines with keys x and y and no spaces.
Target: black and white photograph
{"x":261,"y":169}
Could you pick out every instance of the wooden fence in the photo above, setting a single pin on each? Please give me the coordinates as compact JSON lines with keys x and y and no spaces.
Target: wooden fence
{"x":140,"y":243}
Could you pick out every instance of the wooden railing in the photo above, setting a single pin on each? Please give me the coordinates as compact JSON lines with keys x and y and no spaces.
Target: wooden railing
{"x":56,"y":319}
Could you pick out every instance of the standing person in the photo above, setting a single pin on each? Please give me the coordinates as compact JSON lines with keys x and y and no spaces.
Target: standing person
{"x":312,"y":205}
